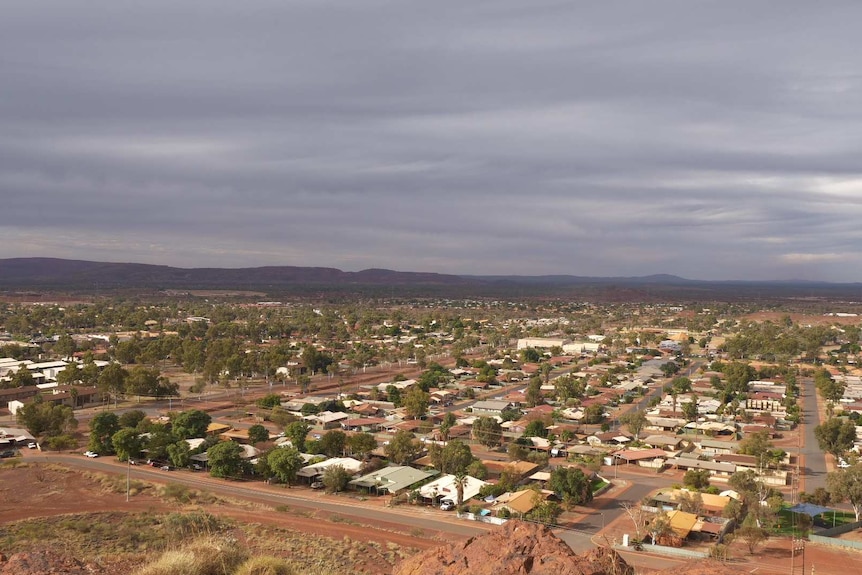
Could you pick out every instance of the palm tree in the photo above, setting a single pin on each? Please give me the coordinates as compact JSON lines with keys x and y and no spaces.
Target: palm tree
{"x":460,"y":483}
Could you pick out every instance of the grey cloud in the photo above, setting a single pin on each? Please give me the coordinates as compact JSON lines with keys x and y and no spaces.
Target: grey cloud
{"x":702,"y":139}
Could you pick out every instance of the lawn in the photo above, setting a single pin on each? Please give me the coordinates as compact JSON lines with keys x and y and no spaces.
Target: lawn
{"x":786,"y":521}
{"x":598,"y":484}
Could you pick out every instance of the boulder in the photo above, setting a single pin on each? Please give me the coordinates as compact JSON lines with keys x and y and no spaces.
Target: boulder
{"x":516,"y":548}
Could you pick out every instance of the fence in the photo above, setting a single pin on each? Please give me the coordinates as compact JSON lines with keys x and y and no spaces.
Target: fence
{"x":481,"y":519}
{"x":827,"y":536}
{"x":664,"y":550}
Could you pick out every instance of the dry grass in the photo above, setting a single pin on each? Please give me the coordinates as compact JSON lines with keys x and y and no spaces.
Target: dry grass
{"x":267,"y":566}
{"x":207,"y":556}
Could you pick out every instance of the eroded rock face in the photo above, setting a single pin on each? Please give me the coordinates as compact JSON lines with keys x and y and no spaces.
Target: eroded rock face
{"x":516,"y":548}
{"x":45,"y":563}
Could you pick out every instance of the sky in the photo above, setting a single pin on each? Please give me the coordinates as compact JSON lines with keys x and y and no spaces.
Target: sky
{"x":711,"y":140}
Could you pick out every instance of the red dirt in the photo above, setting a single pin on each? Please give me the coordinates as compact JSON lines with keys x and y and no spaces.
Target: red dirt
{"x":36,"y":490}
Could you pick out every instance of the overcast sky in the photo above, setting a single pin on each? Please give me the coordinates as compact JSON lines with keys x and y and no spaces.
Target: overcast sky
{"x":712,"y":140}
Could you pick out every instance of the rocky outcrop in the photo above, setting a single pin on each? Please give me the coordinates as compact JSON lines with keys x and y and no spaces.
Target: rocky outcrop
{"x":516,"y":548}
{"x":46,"y":563}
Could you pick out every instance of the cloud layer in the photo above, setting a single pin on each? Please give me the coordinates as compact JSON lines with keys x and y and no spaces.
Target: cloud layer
{"x":706,"y":139}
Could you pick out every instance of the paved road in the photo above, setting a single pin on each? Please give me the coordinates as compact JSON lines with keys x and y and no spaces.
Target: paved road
{"x":423,"y":518}
{"x":814,"y":471}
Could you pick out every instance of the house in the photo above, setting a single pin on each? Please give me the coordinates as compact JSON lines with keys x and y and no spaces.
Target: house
{"x":665,"y":442}
{"x":491,"y":407}
{"x":713,"y":447}
{"x":369,"y":424}
{"x":519,"y":503}
{"x":718,"y":471}
{"x":445,"y":488}
{"x":664,"y":423}
{"x":316,"y":470}
{"x":713,"y":505}
{"x":518,"y":470}
{"x":327,"y":419}
{"x":392,"y":480}
{"x":218,"y":428}
{"x":652,"y":458}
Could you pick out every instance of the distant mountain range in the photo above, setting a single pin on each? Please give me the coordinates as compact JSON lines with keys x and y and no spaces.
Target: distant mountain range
{"x":52,"y":273}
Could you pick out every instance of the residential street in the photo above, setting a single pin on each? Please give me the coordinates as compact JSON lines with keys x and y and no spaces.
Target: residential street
{"x":814,"y":471}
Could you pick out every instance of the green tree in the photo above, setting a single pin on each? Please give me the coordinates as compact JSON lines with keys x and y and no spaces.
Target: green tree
{"x":296,"y":432}
{"x":157,"y":444}
{"x":594,"y":414}
{"x":757,"y":444}
{"x":446,"y":425}
{"x":179,"y":454}
{"x":43,"y":419}
{"x":751,"y":533}
{"x":477,"y":469}
{"x":696,"y":479}
{"x":689,"y":409}
{"x":127,"y":443}
{"x":536,"y":428}
{"x":533,"y":395}
{"x":225,"y":459}
{"x":487,"y":431}
{"x":571,"y":485}
{"x":361,"y":444}
{"x":846,"y":485}
{"x":191,"y":424}
{"x":70,"y":375}
{"x":569,"y":387}
{"x":285,"y":463}
{"x":830,"y":389}
{"x":257,"y":434}
{"x":22,"y":378}
{"x":132,"y":418}
{"x":269,"y":401}
{"x":453,"y":458}
{"x":103,"y":426}
{"x":333,"y":443}
{"x":835,"y":436}
{"x":416,"y":402}
{"x":393,"y":395}
{"x":635,"y":421}
{"x":530,"y":355}
{"x":112,"y":381}
{"x":335,"y":478}
{"x":402,"y":448}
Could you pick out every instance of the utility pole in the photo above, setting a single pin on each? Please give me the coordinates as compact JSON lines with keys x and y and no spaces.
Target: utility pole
{"x":128,"y":477}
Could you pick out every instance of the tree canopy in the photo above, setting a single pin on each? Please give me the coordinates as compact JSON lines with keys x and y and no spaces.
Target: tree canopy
{"x":835,"y":435}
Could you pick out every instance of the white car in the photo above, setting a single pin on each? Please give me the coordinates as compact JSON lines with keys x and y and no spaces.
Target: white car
{"x":447,"y":505}
{"x":843,"y":464}
{"x":32,"y":445}
{"x":91,"y":454}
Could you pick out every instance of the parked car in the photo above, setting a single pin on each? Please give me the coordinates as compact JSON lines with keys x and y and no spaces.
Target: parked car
{"x":7,"y":453}
{"x":165,"y":467}
{"x":317,"y":485}
{"x":842,"y":463}
{"x":32,"y":445}
{"x":447,"y":505}
{"x":91,"y":454}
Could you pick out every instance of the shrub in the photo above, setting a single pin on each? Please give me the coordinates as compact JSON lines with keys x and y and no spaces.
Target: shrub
{"x":266,"y":566}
